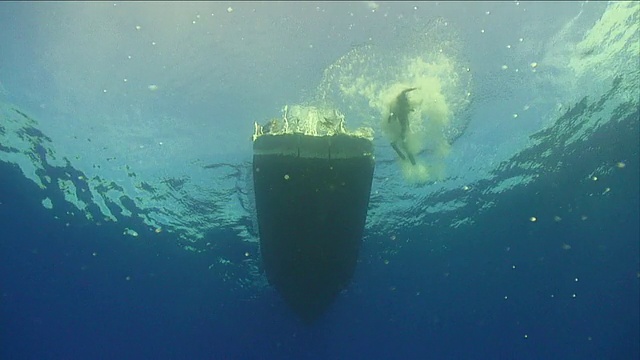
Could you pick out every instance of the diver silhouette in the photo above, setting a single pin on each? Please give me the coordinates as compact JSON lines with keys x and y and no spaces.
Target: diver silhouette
{"x":400,"y":109}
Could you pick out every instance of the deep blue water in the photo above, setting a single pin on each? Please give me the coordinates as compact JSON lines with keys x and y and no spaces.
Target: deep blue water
{"x":59,"y":301}
{"x":544,"y":267}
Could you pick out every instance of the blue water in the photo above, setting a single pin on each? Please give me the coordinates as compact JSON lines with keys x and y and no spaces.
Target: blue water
{"x":527,"y":249}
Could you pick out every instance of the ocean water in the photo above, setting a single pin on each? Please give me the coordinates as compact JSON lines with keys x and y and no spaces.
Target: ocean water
{"x":127,"y":217}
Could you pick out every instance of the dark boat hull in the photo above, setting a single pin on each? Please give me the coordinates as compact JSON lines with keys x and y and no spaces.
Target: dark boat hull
{"x":312,"y":195}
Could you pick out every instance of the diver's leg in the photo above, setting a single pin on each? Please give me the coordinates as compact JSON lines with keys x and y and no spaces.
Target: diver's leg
{"x":395,"y":147}
{"x":409,"y":154}
{"x":413,"y":161}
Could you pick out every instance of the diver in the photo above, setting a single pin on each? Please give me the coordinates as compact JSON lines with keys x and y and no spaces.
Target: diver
{"x":399,"y":111}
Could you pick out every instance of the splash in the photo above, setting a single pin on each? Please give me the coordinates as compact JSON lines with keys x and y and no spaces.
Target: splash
{"x":368,"y":79}
{"x":309,"y":120}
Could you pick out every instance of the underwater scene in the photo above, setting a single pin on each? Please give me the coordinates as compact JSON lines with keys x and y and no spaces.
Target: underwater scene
{"x":320,"y":180}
